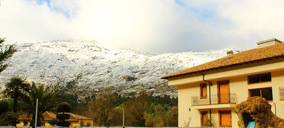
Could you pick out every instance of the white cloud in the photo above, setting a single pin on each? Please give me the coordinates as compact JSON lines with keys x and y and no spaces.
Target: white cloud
{"x":27,"y":21}
{"x":145,"y":25}
{"x":250,"y":20}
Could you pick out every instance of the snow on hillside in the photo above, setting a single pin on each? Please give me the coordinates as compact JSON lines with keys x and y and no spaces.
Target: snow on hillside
{"x":124,"y":70}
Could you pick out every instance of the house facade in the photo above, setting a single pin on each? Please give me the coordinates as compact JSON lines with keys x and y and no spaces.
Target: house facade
{"x":75,"y":120}
{"x":209,"y":93}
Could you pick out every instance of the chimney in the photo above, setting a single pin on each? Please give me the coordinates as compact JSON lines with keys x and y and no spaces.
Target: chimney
{"x":267,"y":43}
{"x":230,"y":53}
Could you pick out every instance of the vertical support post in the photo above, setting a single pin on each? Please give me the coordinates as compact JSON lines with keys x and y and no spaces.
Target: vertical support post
{"x":36,"y":112}
{"x":210,"y":100}
{"x":210,"y":96}
{"x":123,"y":117}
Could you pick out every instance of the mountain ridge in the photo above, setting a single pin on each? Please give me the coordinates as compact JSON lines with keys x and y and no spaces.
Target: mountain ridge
{"x":125,"y":71}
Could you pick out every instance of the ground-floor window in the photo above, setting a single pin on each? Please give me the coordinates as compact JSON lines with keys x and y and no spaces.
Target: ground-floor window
{"x":281,"y":92}
{"x":225,"y":118}
{"x":204,"y":118}
{"x":263,"y":92}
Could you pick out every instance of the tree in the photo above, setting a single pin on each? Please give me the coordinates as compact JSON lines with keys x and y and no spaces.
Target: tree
{"x":172,"y":117}
{"x":5,"y":53}
{"x":165,"y":100}
{"x":99,"y":109}
{"x":16,"y":88}
{"x":46,"y":101}
{"x":115,"y":117}
{"x":63,"y":111}
{"x":136,"y":108}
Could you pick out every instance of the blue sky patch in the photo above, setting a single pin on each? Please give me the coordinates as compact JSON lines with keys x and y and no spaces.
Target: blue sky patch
{"x":67,"y":14}
{"x":180,"y":3}
{"x":204,"y":14}
{"x":44,"y":1}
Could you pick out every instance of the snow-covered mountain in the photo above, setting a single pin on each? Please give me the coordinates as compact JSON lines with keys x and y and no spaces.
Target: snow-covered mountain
{"x":123,"y":70}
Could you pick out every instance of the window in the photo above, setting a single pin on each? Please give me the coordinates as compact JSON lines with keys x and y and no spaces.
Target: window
{"x":281,"y":92}
{"x":204,"y":118}
{"x":263,"y":92}
{"x":259,"y":78}
{"x":225,"y":118}
{"x":203,"y":91}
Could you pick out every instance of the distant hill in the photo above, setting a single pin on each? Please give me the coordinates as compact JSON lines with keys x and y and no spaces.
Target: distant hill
{"x":125,"y":71}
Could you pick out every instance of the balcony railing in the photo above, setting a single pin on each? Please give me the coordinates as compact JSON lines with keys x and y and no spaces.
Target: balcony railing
{"x":215,"y":99}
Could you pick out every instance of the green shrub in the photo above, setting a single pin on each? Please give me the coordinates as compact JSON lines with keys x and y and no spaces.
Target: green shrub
{"x":8,"y":119}
{"x":4,"y":107}
{"x":64,"y":107}
{"x":62,"y":116}
{"x":63,"y":111}
{"x":63,"y":124}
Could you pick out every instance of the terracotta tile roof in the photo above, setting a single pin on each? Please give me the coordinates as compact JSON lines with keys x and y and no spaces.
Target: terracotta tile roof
{"x":25,"y":117}
{"x":75,"y":116}
{"x":236,"y":59}
{"x":51,"y":116}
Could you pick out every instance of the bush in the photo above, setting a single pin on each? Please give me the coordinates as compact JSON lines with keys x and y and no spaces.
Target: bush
{"x":4,"y":107}
{"x":63,"y":124}
{"x":53,"y":122}
{"x":8,"y":119}
{"x":62,"y":116}
{"x":64,"y":107}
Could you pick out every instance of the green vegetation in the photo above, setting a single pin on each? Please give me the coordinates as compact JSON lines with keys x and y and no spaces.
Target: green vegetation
{"x":62,"y":114}
{"x":105,"y":107}
{"x":7,"y":117}
{"x":5,"y":106}
{"x":65,"y":92}
{"x":141,"y":109}
{"x":5,"y":53}
{"x":46,"y":100}
{"x":16,"y":89}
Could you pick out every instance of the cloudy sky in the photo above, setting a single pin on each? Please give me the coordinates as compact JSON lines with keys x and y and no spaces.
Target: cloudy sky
{"x":155,"y":26}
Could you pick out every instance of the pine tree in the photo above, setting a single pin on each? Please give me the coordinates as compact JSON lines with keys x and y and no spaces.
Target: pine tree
{"x":5,"y":53}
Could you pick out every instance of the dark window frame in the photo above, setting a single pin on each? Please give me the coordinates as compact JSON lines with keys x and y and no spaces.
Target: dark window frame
{"x":261,"y":92}
{"x":202,"y":114}
{"x":260,"y":78}
{"x":281,"y":93}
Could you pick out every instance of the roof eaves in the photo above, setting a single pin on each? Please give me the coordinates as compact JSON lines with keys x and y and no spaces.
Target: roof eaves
{"x":217,"y":68}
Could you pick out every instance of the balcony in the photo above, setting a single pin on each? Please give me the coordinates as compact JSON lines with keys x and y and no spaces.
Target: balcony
{"x":215,"y":100}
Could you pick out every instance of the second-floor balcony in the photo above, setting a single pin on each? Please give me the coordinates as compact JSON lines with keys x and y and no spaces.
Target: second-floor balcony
{"x":215,"y":99}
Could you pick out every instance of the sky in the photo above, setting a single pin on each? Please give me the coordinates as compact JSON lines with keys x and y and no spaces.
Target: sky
{"x":154,"y":26}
